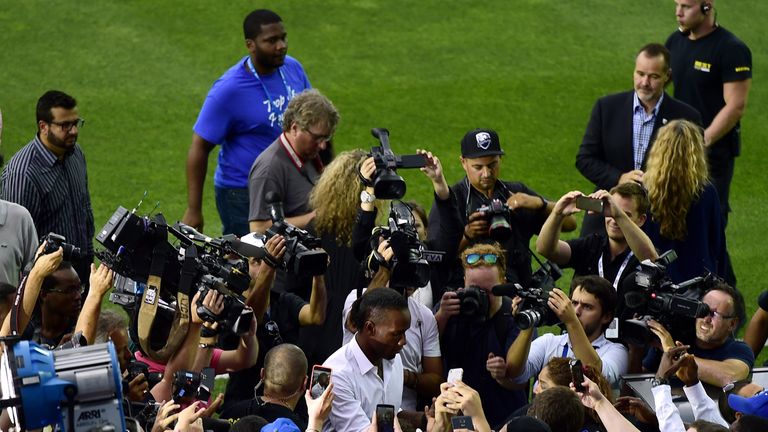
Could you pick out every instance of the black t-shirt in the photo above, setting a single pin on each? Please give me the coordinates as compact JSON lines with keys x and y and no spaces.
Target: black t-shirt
{"x":524,"y":223}
{"x":266,"y":410}
{"x":762,"y":301}
{"x":701,"y":66}
{"x":284,"y":312}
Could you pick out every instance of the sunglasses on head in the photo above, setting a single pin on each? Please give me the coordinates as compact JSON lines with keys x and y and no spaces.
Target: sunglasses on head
{"x":488,"y":258}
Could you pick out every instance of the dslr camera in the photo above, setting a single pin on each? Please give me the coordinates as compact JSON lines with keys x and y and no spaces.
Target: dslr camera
{"x":386,"y":183}
{"x":55,"y":241}
{"x":410,"y":264}
{"x":497,"y":214}
{"x":303,"y":253}
{"x":534,"y":310}
{"x":652,"y":295}
{"x":473,"y":304}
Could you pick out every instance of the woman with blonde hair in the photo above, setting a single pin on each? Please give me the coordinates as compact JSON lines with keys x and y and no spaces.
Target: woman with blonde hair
{"x":685,"y":208}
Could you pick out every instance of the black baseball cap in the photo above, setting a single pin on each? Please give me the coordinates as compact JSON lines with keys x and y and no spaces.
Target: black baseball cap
{"x":479,"y":143}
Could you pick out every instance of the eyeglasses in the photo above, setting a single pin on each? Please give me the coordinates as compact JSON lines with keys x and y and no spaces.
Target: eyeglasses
{"x":318,"y":137}
{"x":68,"y":291}
{"x":717,"y":315}
{"x":68,"y":125}
{"x":475,"y":258}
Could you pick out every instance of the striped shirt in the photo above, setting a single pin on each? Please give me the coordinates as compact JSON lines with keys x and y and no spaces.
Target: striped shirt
{"x":642,"y":129}
{"x":54,"y":191}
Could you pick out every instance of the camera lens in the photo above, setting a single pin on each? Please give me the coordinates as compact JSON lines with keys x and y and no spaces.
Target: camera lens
{"x":527,"y":319}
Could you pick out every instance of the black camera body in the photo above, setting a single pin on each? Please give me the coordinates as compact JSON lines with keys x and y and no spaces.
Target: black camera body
{"x":410,"y":265}
{"x":55,"y":241}
{"x":188,"y":385}
{"x":473,"y":304}
{"x":497,"y":214}
{"x":386,"y":183}
{"x":652,"y":295}
{"x":303,"y":252}
{"x":534,"y":311}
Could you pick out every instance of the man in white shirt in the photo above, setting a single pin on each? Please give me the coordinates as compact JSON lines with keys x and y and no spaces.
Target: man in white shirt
{"x":586,"y":315}
{"x":368,"y":370}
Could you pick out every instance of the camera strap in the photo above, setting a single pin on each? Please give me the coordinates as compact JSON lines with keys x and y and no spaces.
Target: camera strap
{"x":151,"y":297}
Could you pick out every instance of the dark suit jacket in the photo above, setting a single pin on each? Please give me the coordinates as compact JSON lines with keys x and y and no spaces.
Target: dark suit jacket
{"x":606,"y":149}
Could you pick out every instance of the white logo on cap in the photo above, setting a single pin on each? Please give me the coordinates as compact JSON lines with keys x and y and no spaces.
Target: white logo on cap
{"x":483,"y":140}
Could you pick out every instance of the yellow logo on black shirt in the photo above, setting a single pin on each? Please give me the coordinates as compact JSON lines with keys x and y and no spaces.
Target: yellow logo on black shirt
{"x":743,"y":69}
{"x":702,"y":66}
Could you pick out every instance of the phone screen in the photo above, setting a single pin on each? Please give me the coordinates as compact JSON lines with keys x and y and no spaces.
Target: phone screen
{"x":321,"y":377}
{"x":577,"y":375}
{"x":385,"y":418}
{"x":462,"y":422}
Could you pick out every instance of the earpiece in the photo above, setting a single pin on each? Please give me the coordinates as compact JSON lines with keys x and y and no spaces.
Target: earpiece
{"x":705,"y":8}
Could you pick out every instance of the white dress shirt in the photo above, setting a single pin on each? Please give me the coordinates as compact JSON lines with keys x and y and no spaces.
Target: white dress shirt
{"x":666,"y":411}
{"x":614,"y":356}
{"x":422,"y":340}
{"x":358,"y":388}
{"x":704,"y":408}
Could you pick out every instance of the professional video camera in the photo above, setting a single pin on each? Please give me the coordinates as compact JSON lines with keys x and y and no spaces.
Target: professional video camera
{"x":159,"y":278}
{"x":534,"y":311}
{"x":55,"y":241}
{"x":77,"y":389}
{"x":652,"y":295}
{"x":386,"y":183}
{"x":497,"y":213}
{"x":303,"y":253}
{"x":410,"y":265}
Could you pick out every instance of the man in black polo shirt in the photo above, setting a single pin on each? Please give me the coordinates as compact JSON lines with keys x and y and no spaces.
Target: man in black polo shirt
{"x":481,"y":159}
{"x":613,"y":254}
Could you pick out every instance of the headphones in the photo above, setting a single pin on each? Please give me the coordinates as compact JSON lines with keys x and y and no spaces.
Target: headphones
{"x":705,"y":7}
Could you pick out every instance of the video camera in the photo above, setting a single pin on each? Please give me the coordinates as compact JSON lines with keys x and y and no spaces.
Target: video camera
{"x":303,"y":253}
{"x":386,"y":183}
{"x":410,"y":264}
{"x":534,"y":310}
{"x":77,"y":389}
{"x":497,"y":214}
{"x":159,"y":277}
{"x":652,"y":295}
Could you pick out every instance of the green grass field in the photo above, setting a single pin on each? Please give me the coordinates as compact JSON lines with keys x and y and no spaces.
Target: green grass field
{"x":428,"y":70}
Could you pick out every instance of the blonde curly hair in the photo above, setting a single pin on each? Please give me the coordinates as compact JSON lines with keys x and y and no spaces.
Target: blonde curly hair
{"x":336,"y":196}
{"x":675,"y":175}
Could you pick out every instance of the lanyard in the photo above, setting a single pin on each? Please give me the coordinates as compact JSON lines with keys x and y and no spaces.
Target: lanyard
{"x":266,"y":90}
{"x":621,"y":269}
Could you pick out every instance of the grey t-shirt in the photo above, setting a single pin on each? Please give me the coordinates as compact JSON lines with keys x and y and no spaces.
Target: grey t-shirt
{"x":18,"y":241}
{"x":274,"y":170}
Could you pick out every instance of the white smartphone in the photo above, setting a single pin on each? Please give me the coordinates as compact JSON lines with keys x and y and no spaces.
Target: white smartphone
{"x":455,"y":374}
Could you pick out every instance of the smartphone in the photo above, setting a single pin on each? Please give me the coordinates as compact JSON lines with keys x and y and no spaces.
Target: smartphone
{"x":462,"y":422}
{"x":577,"y":375}
{"x":455,"y":374}
{"x":385,"y":418}
{"x":591,"y":204}
{"x":321,"y":377}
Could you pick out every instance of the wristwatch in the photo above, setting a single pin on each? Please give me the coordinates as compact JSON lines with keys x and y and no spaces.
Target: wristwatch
{"x":655,"y":382}
{"x":366,"y":198}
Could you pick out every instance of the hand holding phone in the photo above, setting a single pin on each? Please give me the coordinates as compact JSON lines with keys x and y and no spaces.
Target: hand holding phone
{"x":590,"y":204}
{"x":577,"y":375}
{"x":385,"y":418}
{"x":455,"y":374}
{"x":321,"y":377}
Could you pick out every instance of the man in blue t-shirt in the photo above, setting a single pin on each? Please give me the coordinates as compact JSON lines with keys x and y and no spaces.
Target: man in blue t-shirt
{"x":243,"y":113}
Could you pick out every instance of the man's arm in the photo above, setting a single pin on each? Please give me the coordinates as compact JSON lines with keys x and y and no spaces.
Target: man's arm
{"x":244,"y":356}
{"x":735,"y":94}
{"x":197,"y":167}
{"x":757,"y":330}
{"x":582,"y":347}
{"x":314,"y":312}
{"x":591,"y":160}
{"x":263,"y":276}
{"x":548,"y":241}
{"x":536,"y":203}
{"x":720,"y":373}
{"x":517,"y":355}
{"x":637,"y":240}
{"x":88,"y":320}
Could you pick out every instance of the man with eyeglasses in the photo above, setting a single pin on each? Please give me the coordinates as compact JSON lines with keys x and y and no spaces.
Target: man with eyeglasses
{"x":478,"y":342}
{"x":720,"y":358}
{"x":243,"y":113}
{"x":291,"y":165}
{"x":48,"y":177}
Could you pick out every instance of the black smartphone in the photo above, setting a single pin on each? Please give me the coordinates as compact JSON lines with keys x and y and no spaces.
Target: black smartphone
{"x":321,"y":377}
{"x":462,"y":422}
{"x":577,"y":375}
{"x":385,"y":418}
{"x":591,"y":204}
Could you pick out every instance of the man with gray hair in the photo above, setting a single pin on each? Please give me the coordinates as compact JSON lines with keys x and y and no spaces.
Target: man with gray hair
{"x":291,"y":165}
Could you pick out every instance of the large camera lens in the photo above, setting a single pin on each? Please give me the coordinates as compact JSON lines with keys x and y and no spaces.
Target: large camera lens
{"x":500,"y":229}
{"x":528,"y":318}
{"x":388,"y":185}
